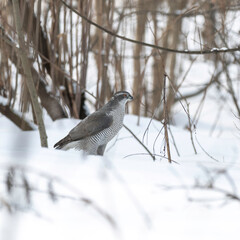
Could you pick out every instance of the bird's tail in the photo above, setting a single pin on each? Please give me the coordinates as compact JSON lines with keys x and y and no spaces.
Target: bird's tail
{"x":62,"y":142}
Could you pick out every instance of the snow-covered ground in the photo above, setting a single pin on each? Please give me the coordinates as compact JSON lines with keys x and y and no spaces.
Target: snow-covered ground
{"x":125,"y":194}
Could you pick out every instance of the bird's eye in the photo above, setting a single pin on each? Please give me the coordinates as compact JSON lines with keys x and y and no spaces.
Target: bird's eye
{"x":125,"y":95}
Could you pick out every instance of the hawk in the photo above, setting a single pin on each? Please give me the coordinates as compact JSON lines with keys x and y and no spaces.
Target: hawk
{"x":94,"y":132}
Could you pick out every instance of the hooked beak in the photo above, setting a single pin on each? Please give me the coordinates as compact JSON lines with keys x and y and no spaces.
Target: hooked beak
{"x":130,"y":97}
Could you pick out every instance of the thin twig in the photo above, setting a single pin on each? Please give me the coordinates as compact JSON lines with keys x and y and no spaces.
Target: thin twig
{"x":199,"y":52}
{"x":192,"y":13}
{"x":166,"y":119}
{"x":144,"y":146}
{"x":210,"y":156}
{"x":190,"y":129}
{"x":155,"y":155}
{"x":174,"y":143}
{"x":53,"y":194}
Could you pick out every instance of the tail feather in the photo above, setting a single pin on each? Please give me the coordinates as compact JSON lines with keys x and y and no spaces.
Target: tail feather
{"x":60,"y":144}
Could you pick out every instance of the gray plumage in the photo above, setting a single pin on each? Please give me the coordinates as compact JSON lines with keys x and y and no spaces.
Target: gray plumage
{"x":94,"y":132}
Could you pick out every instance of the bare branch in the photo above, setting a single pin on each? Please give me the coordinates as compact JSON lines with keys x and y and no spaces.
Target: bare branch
{"x":48,"y":101}
{"x":29,"y":188}
{"x":195,"y":11}
{"x":197,"y":52}
{"x":144,"y":146}
{"x":166,"y":120}
{"x":15,"y":118}
{"x":29,"y":78}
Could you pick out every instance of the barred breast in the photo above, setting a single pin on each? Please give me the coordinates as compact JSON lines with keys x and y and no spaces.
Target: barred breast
{"x":107,"y":134}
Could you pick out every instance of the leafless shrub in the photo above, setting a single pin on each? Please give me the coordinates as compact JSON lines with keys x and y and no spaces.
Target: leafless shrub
{"x":63,"y":38}
{"x":17,"y":178}
{"x":210,"y":183}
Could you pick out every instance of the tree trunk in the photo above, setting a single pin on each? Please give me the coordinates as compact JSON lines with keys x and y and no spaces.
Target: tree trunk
{"x":175,"y":26}
{"x":29,"y":78}
{"x":158,"y":66}
{"x":104,"y":11}
{"x":137,"y":83}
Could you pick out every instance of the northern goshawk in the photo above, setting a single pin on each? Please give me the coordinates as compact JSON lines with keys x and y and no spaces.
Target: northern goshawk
{"x":94,"y":132}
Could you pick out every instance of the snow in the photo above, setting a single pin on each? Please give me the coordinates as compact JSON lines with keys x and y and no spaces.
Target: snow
{"x":214,"y":49}
{"x":3,"y":101}
{"x":62,"y":88}
{"x":125,"y":194}
{"x":224,"y":49}
{"x":145,"y":199}
{"x":219,"y":49}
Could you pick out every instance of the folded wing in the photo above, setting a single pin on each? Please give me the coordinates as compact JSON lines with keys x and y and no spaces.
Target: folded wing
{"x":91,"y":125}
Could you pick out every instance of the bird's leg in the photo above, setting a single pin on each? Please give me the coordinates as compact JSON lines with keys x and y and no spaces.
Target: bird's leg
{"x":101,"y":149}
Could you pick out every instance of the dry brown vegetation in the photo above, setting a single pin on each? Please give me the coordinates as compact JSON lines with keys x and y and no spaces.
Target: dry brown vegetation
{"x":79,"y":48}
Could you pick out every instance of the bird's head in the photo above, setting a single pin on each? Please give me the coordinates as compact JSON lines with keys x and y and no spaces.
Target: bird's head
{"x":122,"y":97}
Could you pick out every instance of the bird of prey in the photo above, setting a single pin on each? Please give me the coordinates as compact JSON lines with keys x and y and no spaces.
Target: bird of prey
{"x":94,"y":132}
